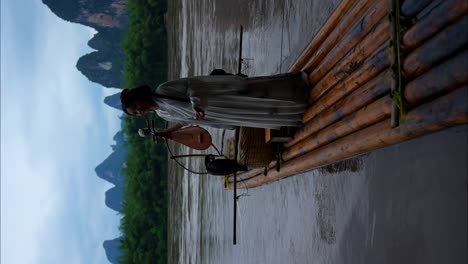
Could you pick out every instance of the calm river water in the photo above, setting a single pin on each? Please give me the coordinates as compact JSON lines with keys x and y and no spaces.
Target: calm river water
{"x":402,"y":204}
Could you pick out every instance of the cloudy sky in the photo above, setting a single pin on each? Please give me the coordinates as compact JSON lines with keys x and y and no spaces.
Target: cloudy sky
{"x":55,"y":129}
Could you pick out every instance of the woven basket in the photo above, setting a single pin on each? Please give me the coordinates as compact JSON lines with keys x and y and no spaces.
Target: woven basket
{"x":253,"y":151}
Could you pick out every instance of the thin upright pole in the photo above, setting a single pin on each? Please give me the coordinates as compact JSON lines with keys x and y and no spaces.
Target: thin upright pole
{"x":239,"y":66}
{"x":190,"y":156}
{"x":236,"y":150}
{"x":234,"y":237}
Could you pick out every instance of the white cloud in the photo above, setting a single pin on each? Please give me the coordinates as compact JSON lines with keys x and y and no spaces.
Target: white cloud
{"x":30,"y":196}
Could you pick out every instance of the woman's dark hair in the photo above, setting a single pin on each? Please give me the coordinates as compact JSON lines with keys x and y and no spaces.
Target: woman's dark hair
{"x":130,"y":97}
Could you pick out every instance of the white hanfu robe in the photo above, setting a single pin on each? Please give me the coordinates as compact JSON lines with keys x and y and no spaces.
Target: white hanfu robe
{"x":233,"y":101}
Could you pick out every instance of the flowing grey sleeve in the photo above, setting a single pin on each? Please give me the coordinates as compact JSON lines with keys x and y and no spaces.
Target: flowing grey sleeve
{"x":171,"y":117}
{"x":183,"y":88}
{"x":202,"y":89}
{"x":197,"y":99}
{"x":197,"y":96}
{"x":174,"y":110}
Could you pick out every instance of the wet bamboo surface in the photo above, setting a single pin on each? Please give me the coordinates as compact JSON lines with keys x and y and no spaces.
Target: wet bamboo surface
{"x":440,"y":79}
{"x":368,"y":23}
{"x":326,"y":29}
{"x":351,"y":78}
{"x":362,"y":96}
{"x":368,"y":115}
{"x":444,"y":112}
{"x":354,"y":59}
{"x":345,"y":23}
{"x":432,"y":52}
{"x":437,"y":18}
{"x":410,"y":8}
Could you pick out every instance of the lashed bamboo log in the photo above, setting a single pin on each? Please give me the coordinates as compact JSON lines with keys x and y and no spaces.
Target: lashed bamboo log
{"x":364,"y":95}
{"x":427,"y":10}
{"x":248,"y":174}
{"x":241,"y":177}
{"x":458,"y":82}
{"x":368,"y":115}
{"x":437,"y":18}
{"x":355,"y":58}
{"x":326,"y":29}
{"x":354,"y":14}
{"x":335,"y":95}
{"x":438,"y":80}
{"x":443,"y":78}
{"x":371,"y":114}
{"x":410,"y":8}
{"x":441,"y":46}
{"x":446,"y":111}
{"x":373,"y":65}
{"x":251,"y":173}
{"x":367,"y":24}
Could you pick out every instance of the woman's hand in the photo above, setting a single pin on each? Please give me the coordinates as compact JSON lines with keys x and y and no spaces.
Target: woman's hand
{"x":199,"y":112}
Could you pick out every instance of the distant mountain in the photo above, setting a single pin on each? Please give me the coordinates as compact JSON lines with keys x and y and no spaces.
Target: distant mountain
{"x":99,"y":68}
{"x":109,"y":18}
{"x":112,"y":250}
{"x":111,"y":170}
{"x":114,"y":198}
{"x":96,"y":14}
{"x":113,"y":101}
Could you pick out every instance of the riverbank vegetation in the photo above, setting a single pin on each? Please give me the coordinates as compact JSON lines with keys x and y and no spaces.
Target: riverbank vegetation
{"x":144,"y":221}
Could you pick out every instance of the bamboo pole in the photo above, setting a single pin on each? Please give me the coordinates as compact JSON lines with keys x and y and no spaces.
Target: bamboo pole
{"x":438,"y":80}
{"x":364,"y":95}
{"x":446,"y":111}
{"x":424,"y":12}
{"x":396,"y":86}
{"x":246,"y":175}
{"x":441,"y":79}
{"x":347,"y":86}
{"x":318,"y":39}
{"x":442,"y":45}
{"x":371,"y":22}
{"x":335,"y":95}
{"x":355,"y":58}
{"x":368,"y":115}
{"x":354,"y":14}
{"x":410,"y":8}
{"x":373,"y":65}
{"x":254,"y":172}
{"x":437,"y":18}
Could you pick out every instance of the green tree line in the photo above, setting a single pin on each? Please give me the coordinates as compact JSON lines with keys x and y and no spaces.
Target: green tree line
{"x":144,"y":221}
{"x":145,"y":43}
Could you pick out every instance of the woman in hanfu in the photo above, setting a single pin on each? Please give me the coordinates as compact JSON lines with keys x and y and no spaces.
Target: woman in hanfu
{"x":224,"y":100}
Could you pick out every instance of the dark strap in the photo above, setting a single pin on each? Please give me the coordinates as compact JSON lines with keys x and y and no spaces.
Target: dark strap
{"x":186,"y":100}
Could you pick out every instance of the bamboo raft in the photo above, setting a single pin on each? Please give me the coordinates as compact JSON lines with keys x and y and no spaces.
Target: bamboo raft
{"x":381,"y":73}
